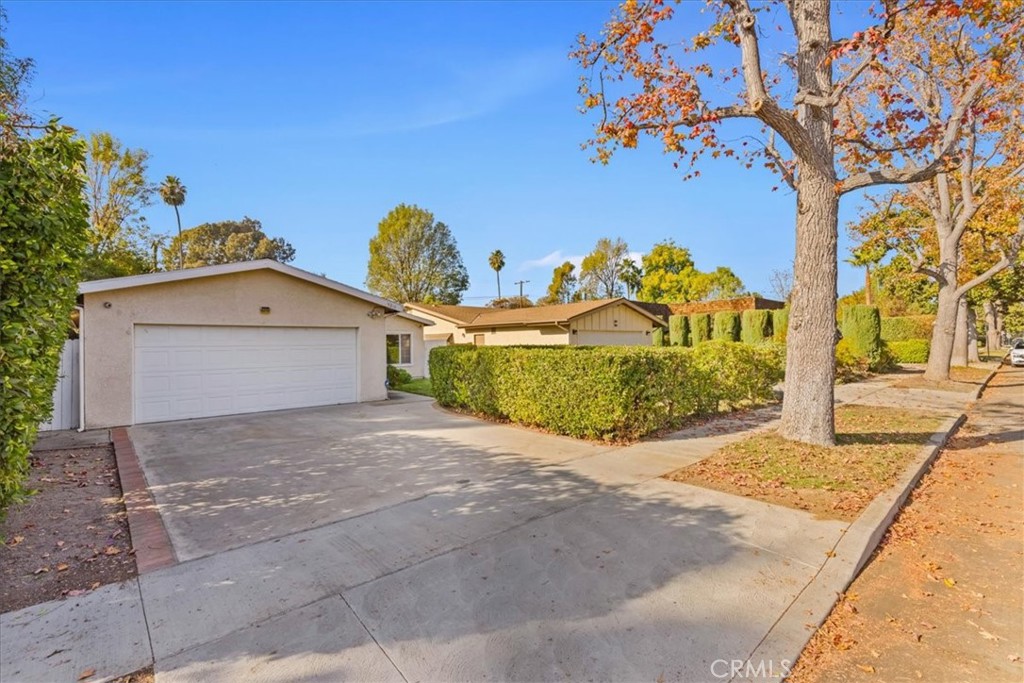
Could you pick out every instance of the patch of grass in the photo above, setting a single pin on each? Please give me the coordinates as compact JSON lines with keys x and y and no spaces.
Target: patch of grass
{"x":966,"y":379}
{"x":420,"y":386}
{"x":873,"y":448}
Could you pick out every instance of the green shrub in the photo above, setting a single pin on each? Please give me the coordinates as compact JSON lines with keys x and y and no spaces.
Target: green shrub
{"x":700,"y":328}
{"x":780,"y":325}
{"x":909,"y":350}
{"x":907,"y":328}
{"x":397,"y":376}
{"x":43,"y":234}
{"x":613,"y":393}
{"x":850,"y":366}
{"x":861,"y":330}
{"x":727,"y":326}
{"x":678,"y":330}
{"x":756,"y":327}
{"x":658,"y":337}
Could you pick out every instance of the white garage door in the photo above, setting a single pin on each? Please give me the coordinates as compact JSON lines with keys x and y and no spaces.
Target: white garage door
{"x":186,"y":371}
{"x":612,"y":338}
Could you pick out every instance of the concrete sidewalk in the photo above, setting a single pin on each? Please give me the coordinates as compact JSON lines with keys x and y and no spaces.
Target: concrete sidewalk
{"x":591,"y":567}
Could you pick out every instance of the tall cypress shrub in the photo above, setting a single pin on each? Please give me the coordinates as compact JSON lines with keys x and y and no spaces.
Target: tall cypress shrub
{"x":700,"y":328}
{"x":780,"y":325}
{"x":756,"y":326}
{"x":678,"y":330}
{"x":727,"y":326}
{"x":862,"y":330}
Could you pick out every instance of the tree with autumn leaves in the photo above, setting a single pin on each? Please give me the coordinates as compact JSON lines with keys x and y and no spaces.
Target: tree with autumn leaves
{"x":641,"y":80}
{"x":963,"y":226}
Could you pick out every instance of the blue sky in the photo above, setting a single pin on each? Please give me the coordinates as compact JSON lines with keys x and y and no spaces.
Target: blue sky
{"x":318,"y":118}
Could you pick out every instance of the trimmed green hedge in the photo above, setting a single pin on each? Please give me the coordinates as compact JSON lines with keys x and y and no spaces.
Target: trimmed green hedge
{"x":658,"y":337}
{"x":910,"y":350}
{"x":678,"y":330}
{"x":727,"y":326}
{"x":44,"y":232}
{"x":700,"y":328}
{"x":612,"y":393}
{"x":780,"y":325}
{"x":907,"y":328}
{"x":862,"y":329}
{"x":397,"y":376}
{"x":756,"y":327}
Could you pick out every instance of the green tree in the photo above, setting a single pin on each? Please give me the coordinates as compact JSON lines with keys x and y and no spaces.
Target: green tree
{"x":497,"y":261}
{"x":116,"y":191}
{"x":227,"y":242}
{"x":173,"y":193}
{"x":562,"y":289}
{"x":632,"y":277}
{"x":668,"y":271}
{"x":601,"y":270}
{"x":44,"y":226}
{"x":415,"y":258}
{"x":721,"y":283}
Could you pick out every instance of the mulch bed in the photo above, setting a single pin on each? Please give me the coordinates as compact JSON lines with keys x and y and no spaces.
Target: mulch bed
{"x":71,"y":536}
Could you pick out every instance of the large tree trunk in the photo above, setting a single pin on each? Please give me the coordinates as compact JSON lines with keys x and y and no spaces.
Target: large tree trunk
{"x":992,"y":340}
{"x":959,"y":357}
{"x":972,"y":336}
{"x":808,"y":413}
{"x":868,"y":299}
{"x":946,"y":316}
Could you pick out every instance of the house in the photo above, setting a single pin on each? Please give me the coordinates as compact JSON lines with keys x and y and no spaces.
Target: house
{"x":226,"y":339}
{"x":404,"y":340}
{"x":609,"y":322}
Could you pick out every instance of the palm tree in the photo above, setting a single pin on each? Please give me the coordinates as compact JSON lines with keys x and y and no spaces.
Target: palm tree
{"x":497,"y":261}
{"x":173,"y":194}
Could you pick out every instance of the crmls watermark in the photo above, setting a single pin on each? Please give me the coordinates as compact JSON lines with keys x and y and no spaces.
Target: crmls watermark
{"x":744,"y":669}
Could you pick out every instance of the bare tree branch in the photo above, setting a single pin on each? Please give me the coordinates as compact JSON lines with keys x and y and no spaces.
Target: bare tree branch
{"x":913,"y":173}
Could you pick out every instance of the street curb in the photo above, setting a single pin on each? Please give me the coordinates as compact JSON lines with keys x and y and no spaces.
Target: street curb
{"x":813,"y":605}
{"x":977,"y":394}
{"x":800,"y":621}
{"x":153,"y":549}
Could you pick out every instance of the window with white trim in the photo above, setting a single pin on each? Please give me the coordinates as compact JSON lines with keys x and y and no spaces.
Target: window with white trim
{"x":399,"y":349}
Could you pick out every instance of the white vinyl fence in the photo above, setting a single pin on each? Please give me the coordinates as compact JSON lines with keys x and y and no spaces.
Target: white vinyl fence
{"x":65,"y":394}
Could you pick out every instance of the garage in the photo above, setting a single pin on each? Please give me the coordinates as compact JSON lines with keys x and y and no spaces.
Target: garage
{"x":227,"y":339}
{"x":187,"y":371}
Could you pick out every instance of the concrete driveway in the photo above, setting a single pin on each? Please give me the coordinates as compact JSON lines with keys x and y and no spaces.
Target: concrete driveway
{"x":398,"y":542}
{"x":221,"y":483}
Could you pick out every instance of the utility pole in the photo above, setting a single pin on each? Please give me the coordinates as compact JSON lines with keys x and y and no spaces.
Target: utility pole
{"x":520,"y":283}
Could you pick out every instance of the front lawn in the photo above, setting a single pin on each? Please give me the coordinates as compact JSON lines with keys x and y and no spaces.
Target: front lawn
{"x":417,"y":386}
{"x":874,"y":446}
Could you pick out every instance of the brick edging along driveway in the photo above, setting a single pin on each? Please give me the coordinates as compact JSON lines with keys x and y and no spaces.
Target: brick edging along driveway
{"x":152,"y":545}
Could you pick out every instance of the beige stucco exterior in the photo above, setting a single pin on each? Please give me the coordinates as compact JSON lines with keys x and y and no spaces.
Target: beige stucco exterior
{"x":395,"y":324}
{"x":618,"y":324}
{"x":231,"y":299}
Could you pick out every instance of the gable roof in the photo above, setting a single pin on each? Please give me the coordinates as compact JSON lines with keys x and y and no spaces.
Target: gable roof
{"x":415,"y":319}
{"x":559,"y":314}
{"x":453,"y":314}
{"x":130,"y":281}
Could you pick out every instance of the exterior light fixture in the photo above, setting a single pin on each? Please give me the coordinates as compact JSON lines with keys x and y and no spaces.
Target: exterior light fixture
{"x":265,"y":310}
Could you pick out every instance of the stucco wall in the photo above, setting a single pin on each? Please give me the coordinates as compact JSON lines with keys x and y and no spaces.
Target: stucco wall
{"x":542,"y":336}
{"x":395,"y":325}
{"x":442,"y":326}
{"x":235,"y":299}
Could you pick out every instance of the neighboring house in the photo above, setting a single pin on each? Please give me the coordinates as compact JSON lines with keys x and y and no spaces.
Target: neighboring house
{"x":226,"y":339}
{"x":608,"y":322}
{"x":404,"y":343}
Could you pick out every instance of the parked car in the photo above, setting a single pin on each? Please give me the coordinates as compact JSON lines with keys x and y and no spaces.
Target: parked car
{"x":1017,"y":354}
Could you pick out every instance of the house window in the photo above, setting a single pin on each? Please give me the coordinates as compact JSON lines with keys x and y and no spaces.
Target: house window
{"x":399,"y":349}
